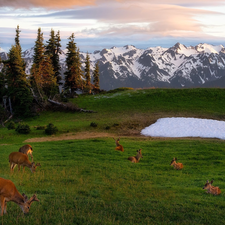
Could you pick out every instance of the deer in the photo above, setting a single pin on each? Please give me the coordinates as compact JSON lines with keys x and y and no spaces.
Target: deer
{"x":8,"y":192}
{"x":28,"y":150}
{"x":177,"y":166}
{"x":119,"y":147}
{"x":20,"y":159}
{"x":211,"y":189}
{"x":136,"y":159}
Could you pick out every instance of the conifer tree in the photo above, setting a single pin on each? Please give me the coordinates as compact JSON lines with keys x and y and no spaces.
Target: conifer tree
{"x":18,"y":88}
{"x":17,"y":39}
{"x":73,"y":74}
{"x":87,"y":74}
{"x":96,"y":78}
{"x":53,"y":50}
{"x":42,"y":72}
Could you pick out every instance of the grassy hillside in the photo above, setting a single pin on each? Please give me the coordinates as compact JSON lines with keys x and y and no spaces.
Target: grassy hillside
{"x":87,"y":182}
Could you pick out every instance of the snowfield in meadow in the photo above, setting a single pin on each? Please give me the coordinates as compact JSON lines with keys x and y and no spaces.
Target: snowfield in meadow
{"x":186,"y":127}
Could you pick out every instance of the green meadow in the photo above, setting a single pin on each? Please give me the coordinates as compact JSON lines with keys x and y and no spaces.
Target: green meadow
{"x":83,"y":180}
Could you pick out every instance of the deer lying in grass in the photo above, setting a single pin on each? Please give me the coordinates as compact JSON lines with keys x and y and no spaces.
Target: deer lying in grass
{"x":211,"y":189}
{"x":20,"y":159}
{"x":177,"y":166}
{"x":135,"y":159}
{"x":8,"y":192}
{"x":27,"y":149}
{"x":119,"y":147}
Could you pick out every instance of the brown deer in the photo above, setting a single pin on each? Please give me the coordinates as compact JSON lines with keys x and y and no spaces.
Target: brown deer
{"x":8,"y":192}
{"x":177,"y":166}
{"x":119,"y":147}
{"x":135,"y":159}
{"x":28,"y":150}
{"x":211,"y":189}
{"x":20,"y":159}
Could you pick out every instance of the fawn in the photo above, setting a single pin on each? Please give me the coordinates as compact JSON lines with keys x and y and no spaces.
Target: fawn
{"x":135,"y":159}
{"x":211,"y":189}
{"x":177,"y":166}
{"x":119,"y":147}
{"x":27,"y":149}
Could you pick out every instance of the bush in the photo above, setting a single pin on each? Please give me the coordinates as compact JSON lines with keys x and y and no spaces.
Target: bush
{"x":51,"y":129}
{"x":11,"y":126}
{"x":23,"y":128}
{"x":93,"y":124}
{"x":40,"y":127}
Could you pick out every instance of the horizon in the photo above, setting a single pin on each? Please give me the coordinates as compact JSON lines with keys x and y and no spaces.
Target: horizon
{"x":97,"y":24}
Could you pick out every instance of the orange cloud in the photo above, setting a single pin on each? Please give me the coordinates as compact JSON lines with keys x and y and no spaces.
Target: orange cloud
{"x":50,"y":4}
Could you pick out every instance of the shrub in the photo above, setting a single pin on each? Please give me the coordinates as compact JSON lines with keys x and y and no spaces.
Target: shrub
{"x":23,"y":128}
{"x":11,"y":126}
{"x":93,"y":124}
{"x":40,"y":127}
{"x":51,"y":129}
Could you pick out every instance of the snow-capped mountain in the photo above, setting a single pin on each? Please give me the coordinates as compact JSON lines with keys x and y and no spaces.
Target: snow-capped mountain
{"x":178,"y":66}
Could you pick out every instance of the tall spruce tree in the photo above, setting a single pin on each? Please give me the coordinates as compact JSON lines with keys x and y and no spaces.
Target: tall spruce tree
{"x":53,"y":50}
{"x":42,"y":78}
{"x":87,"y":74}
{"x":18,"y":88}
{"x":17,"y":39}
{"x":96,"y":78}
{"x":73,"y":73}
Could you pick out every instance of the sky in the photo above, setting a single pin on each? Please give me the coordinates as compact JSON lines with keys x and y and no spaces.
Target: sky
{"x":186,"y":127}
{"x":99,"y":24}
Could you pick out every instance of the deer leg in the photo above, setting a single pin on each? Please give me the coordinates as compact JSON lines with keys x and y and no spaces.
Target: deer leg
{"x":2,"y":199}
{"x":18,"y":167}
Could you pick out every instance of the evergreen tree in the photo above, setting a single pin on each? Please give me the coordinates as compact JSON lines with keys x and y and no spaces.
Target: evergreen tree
{"x":73,"y":74}
{"x":96,"y":78}
{"x":87,"y":74}
{"x":17,"y":39}
{"x":42,"y":72}
{"x":53,"y":50}
{"x":18,"y":88}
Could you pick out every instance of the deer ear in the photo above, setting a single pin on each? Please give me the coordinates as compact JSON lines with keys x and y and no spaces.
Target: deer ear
{"x":211,"y":181}
{"x":25,"y":197}
{"x":176,"y":158}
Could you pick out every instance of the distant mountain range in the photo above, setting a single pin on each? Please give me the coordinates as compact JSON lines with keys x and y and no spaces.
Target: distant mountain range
{"x":176,"y":67}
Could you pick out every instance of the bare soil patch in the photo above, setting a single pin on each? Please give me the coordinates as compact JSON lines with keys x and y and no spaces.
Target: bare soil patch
{"x":70,"y":136}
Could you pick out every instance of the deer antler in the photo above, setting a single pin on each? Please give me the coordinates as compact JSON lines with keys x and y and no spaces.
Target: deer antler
{"x":33,"y":198}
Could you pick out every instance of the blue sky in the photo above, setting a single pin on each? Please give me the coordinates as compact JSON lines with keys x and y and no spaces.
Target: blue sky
{"x":99,"y":24}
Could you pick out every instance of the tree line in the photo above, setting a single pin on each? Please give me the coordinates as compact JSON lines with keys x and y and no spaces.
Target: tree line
{"x":20,"y":90}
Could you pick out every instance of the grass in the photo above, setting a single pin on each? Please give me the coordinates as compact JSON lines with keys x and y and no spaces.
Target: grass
{"x":88,"y":182}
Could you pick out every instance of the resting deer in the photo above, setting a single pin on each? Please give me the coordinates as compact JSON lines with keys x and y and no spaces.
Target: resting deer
{"x":8,"y":192}
{"x":177,"y":166}
{"x":135,"y":159}
{"x":20,"y":159}
{"x":211,"y":189}
{"x":27,"y":149}
{"x":119,"y":147}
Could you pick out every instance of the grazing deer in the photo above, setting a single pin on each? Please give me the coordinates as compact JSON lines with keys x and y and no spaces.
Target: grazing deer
{"x":27,"y":149}
{"x":135,"y":159}
{"x":20,"y":159}
{"x":119,"y":147}
{"x":8,"y":192}
{"x":177,"y":166}
{"x":211,"y":189}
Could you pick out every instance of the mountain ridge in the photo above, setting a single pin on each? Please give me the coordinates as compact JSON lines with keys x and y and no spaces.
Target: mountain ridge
{"x":176,"y":67}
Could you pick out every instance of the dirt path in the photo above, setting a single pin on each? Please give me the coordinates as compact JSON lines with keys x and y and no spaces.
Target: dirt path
{"x":70,"y":136}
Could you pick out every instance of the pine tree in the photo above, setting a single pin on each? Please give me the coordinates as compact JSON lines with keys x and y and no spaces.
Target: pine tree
{"x":53,"y":50}
{"x":87,"y":74}
{"x":17,"y":39}
{"x":42,"y":78}
{"x":96,"y":78}
{"x":18,"y":88}
{"x":73,"y":74}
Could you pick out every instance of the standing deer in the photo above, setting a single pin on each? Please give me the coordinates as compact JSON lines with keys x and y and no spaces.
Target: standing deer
{"x":27,"y":149}
{"x":177,"y":166}
{"x":20,"y":159}
{"x":119,"y":147}
{"x":135,"y":159}
{"x":8,"y":192}
{"x":211,"y":189}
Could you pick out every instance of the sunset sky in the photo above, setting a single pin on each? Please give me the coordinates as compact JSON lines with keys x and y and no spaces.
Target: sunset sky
{"x":99,"y":24}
